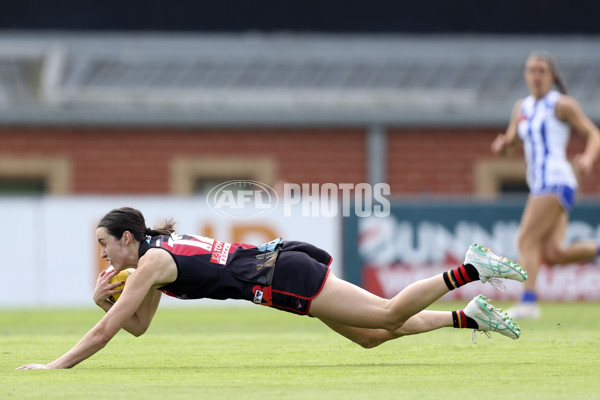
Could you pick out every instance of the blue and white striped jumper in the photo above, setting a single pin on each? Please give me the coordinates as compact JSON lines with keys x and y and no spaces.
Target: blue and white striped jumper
{"x":545,"y":139}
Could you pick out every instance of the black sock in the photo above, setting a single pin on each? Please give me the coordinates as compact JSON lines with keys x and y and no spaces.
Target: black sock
{"x":460,"y":276}
{"x":460,"y":320}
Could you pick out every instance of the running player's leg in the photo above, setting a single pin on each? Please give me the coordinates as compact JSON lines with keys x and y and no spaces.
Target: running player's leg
{"x":553,"y":251}
{"x":540,"y":216}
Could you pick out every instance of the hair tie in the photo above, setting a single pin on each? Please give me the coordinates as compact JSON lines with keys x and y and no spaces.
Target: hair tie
{"x":148,"y":232}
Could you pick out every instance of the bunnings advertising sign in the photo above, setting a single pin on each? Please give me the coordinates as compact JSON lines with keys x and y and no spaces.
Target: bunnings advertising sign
{"x":420,"y":239}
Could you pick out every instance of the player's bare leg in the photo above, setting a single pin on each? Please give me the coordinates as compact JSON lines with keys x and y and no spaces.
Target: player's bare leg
{"x":479,"y":315}
{"x":347,"y":304}
{"x":424,"y":321}
{"x":543,"y":226}
{"x":342,"y":302}
{"x":553,"y":251}
{"x":370,"y":320}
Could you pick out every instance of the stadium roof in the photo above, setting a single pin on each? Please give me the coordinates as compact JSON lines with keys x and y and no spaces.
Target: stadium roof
{"x":241,"y":79}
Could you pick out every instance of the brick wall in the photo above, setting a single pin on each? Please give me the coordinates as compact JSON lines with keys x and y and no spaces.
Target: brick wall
{"x":113,"y":161}
{"x":435,"y":161}
{"x":137,"y":161}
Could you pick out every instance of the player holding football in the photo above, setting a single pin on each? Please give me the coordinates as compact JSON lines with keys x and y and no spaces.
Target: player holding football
{"x":291,"y":276}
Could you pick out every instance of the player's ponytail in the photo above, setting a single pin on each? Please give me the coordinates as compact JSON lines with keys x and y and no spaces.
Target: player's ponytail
{"x":129,"y":219}
{"x":559,"y":83}
{"x":549,"y":58}
{"x":166,"y":229}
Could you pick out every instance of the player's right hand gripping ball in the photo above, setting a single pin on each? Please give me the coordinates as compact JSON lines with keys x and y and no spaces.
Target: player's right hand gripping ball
{"x":121,"y":276}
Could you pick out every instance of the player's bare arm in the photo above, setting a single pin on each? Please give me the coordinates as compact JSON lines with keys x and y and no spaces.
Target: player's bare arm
{"x":158,"y":266}
{"x":154,"y":270}
{"x":506,"y":140}
{"x":140,"y":320}
{"x":569,"y":110}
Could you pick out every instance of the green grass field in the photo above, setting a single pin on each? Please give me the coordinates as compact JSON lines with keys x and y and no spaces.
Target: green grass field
{"x":260,"y":353}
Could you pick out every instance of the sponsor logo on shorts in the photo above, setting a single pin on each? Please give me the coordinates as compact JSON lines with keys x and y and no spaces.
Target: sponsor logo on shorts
{"x":220,"y":253}
{"x":258,"y":296}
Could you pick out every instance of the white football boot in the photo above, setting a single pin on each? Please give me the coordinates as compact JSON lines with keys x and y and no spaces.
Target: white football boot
{"x":491,"y":267}
{"x":490,"y":319}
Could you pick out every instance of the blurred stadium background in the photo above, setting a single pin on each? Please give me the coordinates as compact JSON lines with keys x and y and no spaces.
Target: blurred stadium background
{"x":151,"y":104}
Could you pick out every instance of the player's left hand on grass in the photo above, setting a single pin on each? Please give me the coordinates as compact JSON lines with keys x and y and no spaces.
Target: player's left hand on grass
{"x":36,"y":366}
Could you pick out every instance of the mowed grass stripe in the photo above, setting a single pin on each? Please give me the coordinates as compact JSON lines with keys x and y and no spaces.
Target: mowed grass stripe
{"x":253,"y":352}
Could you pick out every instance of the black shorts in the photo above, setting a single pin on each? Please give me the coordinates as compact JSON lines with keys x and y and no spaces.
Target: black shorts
{"x":300,"y":273}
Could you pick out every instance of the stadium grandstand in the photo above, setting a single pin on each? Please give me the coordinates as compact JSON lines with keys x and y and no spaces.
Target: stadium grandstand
{"x":273,"y":79}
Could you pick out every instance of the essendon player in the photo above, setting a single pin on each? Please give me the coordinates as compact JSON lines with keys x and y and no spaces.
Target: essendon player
{"x":208,"y":268}
{"x":291,"y":276}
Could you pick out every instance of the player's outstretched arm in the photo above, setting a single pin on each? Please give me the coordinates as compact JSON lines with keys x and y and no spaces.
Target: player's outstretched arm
{"x":504,"y":141}
{"x":154,"y":270}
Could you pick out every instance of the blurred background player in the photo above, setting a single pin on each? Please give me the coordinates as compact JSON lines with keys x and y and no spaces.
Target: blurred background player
{"x":543,"y":121}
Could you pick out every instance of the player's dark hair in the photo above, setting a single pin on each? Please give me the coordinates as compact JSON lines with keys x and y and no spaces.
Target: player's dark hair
{"x":129,"y":219}
{"x":551,"y":60}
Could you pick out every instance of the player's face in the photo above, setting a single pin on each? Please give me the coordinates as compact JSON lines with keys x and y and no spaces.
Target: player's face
{"x":539,"y":76}
{"x":112,"y":249}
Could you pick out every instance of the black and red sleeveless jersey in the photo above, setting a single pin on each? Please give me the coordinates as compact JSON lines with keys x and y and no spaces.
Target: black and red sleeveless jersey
{"x":209,"y":268}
